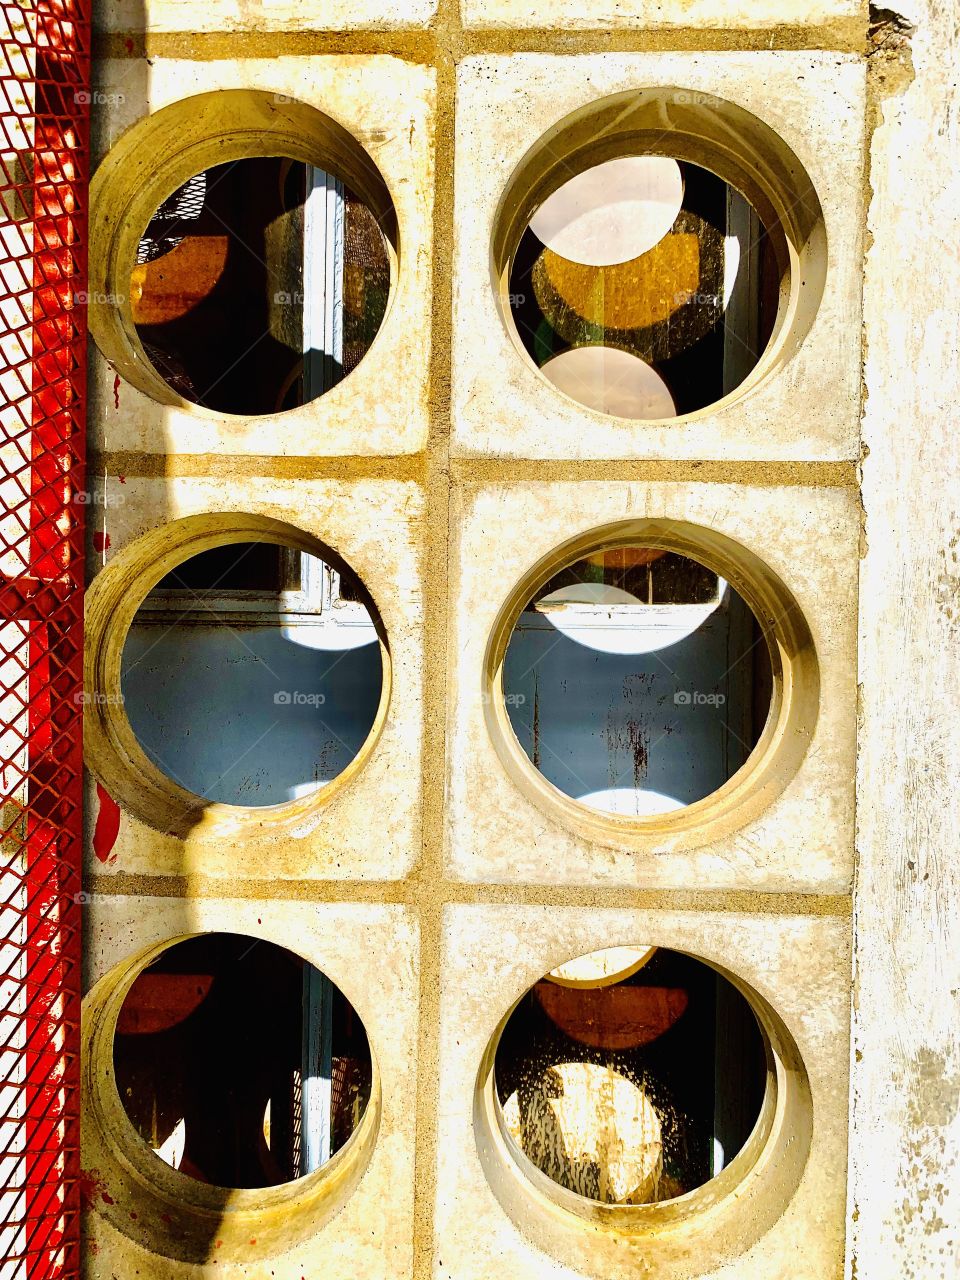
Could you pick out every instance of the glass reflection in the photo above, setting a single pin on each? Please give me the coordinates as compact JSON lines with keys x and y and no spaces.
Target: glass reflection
{"x":637,"y":681}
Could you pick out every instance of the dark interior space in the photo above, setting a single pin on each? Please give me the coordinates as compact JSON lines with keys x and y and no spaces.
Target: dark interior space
{"x":665,"y":306}
{"x":210,"y":1036}
{"x":677,"y":1032}
{"x":218,"y":293}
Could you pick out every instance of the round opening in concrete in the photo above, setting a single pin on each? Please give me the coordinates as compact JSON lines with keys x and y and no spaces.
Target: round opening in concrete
{"x":298,"y":640}
{"x":637,"y":680}
{"x":240,"y":1064}
{"x":634,"y":1090}
{"x":242,"y":251}
{"x":658,"y":1108}
{"x":238,"y":668}
{"x":651,"y":678}
{"x":231,"y":1098}
{"x":259,"y":285}
{"x":658,"y":253}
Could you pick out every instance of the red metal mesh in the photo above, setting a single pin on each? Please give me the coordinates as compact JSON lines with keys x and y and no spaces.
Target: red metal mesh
{"x":44,"y":104}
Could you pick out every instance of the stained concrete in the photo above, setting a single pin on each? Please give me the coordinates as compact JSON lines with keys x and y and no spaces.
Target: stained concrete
{"x":374,"y":527}
{"x":387,"y":105}
{"x":905,"y":1144}
{"x":433,"y":959}
{"x":800,"y":837}
{"x":790,"y":961}
{"x":568,"y":15}
{"x":272,"y":16}
{"x":370,"y":953}
{"x":504,"y":408}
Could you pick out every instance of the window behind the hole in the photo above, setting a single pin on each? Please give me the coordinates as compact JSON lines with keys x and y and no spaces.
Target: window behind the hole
{"x":259,"y":576}
{"x":630,"y":577}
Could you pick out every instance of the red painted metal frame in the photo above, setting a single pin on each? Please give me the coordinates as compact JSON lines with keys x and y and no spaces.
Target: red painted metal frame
{"x":44,"y":105}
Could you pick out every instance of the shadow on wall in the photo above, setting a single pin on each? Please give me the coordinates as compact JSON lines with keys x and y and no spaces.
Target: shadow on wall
{"x":252,"y":679}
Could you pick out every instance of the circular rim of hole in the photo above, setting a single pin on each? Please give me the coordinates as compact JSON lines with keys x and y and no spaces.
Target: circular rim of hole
{"x":167,"y":1211}
{"x":791,"y":718}
{"x":606,"y":980}
{"x":162,"y":151}
{"x":703,"y":129}
{"x":112,"y":750}
{"x":717,"y":1221}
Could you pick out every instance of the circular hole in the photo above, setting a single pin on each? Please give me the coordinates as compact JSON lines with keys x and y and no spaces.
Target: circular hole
{"x":189,"y":1047}
{"x":234,"y":664}
{"x":658,"y":1111}
{"x":645,"y":287}
{"x":638,"y":1089}
{"x":252,"y":673}
{"x":637,"y":680}
{"x":259,"y":285}
{"x":612,"y":703}
{"x":223,"y":1030}
{"x":658,"y":252}
{"x":242,"y":253}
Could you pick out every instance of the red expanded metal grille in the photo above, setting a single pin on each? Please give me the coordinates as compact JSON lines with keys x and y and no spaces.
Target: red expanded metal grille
{"x":44,"y":103}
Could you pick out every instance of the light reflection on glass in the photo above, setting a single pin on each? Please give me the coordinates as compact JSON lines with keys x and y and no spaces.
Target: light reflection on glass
{"x":611,"y":381}
{"x":612,"y":212}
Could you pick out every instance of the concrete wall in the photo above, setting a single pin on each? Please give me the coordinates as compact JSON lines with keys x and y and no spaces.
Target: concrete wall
{"x":906,"y":1106}
{"x":436,"y":881}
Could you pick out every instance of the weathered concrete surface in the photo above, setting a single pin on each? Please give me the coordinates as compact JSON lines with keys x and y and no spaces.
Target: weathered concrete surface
{"x":809,"y":407}
{"x":802,"y":838}
{"x":585,"y":14}
{"x":370,"y":951}
{"x":479,"y":942}
{"x":375,"y":527}
{"x":388,"y":106}
{"x":264,"y":15}
{"x":905,"y":1147}
{"x":790,"y":961}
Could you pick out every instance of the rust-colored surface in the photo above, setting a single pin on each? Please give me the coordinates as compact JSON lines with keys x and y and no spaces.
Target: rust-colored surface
{"x":159,"y":1001}
{"x":625,"y":557}
{"x":172,"y":285}
{"x":630,"y":295}
{"x":619,"y":1017}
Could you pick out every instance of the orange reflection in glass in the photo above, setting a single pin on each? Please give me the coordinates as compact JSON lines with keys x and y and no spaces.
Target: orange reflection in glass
{"x":615,"y":1017}
{"x":631,"y":295}
{"x":175,"y":283}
